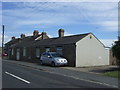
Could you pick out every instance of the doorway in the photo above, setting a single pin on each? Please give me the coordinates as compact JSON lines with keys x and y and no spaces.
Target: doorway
{"x":18,"y":54}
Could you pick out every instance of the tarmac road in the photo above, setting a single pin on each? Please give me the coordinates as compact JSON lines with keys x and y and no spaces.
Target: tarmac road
{"x":17,"y":76}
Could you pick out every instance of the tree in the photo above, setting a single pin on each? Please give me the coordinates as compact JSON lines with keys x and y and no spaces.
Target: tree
{"x":116,"y":50}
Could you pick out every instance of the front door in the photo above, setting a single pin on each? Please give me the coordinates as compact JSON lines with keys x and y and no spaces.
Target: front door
{"x":18,"y":54}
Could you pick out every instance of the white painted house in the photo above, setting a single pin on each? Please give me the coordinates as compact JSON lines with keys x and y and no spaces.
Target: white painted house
{"x":91,"y":52}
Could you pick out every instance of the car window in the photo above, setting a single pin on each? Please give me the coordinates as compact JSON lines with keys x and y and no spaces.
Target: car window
{"x":44,"y":54}
{"x":56,"y":55}
{"x":48,"y":54}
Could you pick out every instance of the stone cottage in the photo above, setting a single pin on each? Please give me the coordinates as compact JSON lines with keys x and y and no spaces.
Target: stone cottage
{"x":80,"y":50}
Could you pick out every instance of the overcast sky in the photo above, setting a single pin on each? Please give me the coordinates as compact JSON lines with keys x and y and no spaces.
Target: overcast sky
{"x":100,"y":18}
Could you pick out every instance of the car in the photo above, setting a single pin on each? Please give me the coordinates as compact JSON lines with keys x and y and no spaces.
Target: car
{"x":4,"y":54}
{"x":53,"y":59}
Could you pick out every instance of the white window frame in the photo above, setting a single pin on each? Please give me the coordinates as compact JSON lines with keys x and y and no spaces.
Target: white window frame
{"x":47,"y":49}
{"x":24,"y":51}
{"x":37,"y":52}
{"x":60,"y":50}
{"x":12,"y":51}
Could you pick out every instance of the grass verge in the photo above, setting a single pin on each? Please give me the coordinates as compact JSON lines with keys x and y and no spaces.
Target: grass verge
{"x":115,"y":74}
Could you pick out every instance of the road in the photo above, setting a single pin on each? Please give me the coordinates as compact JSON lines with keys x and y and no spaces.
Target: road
{"x":17,"y":76}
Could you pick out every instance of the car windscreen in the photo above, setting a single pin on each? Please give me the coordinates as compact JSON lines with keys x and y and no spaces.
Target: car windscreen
{"x":55,"y":55}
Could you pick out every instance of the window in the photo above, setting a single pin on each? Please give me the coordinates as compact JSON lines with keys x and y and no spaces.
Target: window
{"x":18,"y":50}
{"x":12,"y":51}
{"x":37,"y":52}
{"x":46,"y":54}
{"x":47,"y":49}
{"x":59,"y":50}
{"x":55,"y":55}
{"x":24,"y":51}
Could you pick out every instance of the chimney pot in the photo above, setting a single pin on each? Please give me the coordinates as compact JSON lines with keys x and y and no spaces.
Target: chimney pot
{"x":22,"y":36}
{"x":13,"y":38}
{"x":44,"y":35}
{"x":61,"y":32}
{"x":35,"y":33}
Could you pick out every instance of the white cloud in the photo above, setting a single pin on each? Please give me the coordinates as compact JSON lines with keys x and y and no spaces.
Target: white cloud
{"x":50,"y":36}
{"x":108,"y":25}
{"x":60,"y":0}
{"x":30,"y":22}
{"x":108,"y":42}
{"x":60,"y":13}
{"x":48,"y":15}
{"x":68,"y":34}
{"x":98,"y":7}
{"x":6,"y":39}
{"x":28,"y":34}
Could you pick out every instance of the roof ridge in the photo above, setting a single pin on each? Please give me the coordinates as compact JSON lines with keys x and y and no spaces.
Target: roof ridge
{"x":72,"y":35}
{"x":68,"y":36}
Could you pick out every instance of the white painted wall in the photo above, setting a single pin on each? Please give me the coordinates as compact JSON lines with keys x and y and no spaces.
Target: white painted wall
{"x":90,"y":52}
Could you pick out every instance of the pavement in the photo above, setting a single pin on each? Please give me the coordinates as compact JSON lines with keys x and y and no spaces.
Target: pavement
{"x":95,"y":69}
{"x":87,"y":74}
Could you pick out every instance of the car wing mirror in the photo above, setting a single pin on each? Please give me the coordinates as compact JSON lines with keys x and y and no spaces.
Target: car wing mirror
{"x":49,"y":57}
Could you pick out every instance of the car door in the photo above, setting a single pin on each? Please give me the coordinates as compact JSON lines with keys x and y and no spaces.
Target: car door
{"x":43,"y":58}
{"x":48,"y":58}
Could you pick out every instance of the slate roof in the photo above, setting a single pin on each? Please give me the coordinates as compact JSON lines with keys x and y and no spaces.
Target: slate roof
{"x":25,"y":41}
{"x":31,"y":42}
{"x":12,"y":41}
{"x":60,"y":41}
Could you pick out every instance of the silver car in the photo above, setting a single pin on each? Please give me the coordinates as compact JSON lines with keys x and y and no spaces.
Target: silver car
{"x":53,"y":59}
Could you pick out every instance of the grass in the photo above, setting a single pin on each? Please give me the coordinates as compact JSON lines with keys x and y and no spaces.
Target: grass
{"x":115,"y":74}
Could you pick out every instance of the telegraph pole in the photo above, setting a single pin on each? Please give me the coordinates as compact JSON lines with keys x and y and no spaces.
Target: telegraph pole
{"x":119,"y":21}
{"x":2,"y":40}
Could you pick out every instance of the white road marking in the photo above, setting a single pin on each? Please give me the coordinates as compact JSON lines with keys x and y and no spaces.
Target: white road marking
{"x":17,"y":77}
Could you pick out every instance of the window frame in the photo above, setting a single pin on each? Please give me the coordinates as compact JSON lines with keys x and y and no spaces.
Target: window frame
{"x":12,"y":51}
{"x":59,"y":50}
{"x":37,"y":52}
{"x":47,"y":50}
{"x":24,"y":51}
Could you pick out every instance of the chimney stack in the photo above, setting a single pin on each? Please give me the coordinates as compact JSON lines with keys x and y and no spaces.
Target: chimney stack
{"x":61,"y":32}
{"x":22,"y":36}
{"x":35,"y":33}
{"x":44,"y":35}
{"x":13,"y":38}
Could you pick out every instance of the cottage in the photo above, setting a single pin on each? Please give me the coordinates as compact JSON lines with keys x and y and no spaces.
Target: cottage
{"x":80,"y":50}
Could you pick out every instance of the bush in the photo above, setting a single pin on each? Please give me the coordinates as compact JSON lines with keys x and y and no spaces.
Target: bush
{"x":116,"y":50}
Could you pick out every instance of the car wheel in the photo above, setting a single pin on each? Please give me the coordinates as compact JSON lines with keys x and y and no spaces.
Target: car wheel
{"x":53,"y":64}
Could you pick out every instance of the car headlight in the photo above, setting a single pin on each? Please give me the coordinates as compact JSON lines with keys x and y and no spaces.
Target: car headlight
{"x":65,"y":60}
